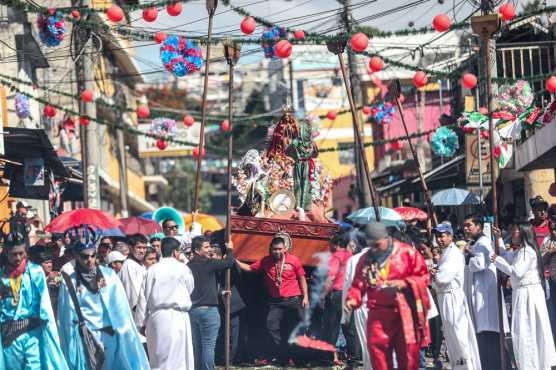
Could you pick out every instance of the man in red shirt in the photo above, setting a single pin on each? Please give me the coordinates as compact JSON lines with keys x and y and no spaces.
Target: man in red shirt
{"x":331,"y":297}
{"x":539,"y":206}
{"x":285,"y":281}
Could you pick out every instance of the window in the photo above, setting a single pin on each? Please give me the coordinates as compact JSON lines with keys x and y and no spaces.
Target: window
{"x":345,"y":151}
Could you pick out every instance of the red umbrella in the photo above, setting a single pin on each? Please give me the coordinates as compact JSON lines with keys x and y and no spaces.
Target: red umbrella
{"x":139,"y":225}
{"x":412,"y":213}
{"x":82,"y":216}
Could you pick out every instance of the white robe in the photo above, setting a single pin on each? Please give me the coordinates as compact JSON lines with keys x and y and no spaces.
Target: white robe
{"x":531,"y":334}
{"x":166,"y":300}
{"x":483,"y":299}
{"x":132,"y":275}
{"x":457,"y":324}
{"x":359,"y":315}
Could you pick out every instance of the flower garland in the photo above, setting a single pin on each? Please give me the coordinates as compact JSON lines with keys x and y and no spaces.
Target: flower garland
{"x":444,"y":142}
{"x":180,"y":56}
{"x":269,"y":38}
{"x":163,"y":127}
{"x":51,"y":28}
{"x":22,"y":108}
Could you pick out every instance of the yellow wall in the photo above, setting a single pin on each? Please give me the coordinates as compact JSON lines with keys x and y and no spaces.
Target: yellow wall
{"x":538,"y":183}
{"x":331,"y":160}
{"x":135,"y":183}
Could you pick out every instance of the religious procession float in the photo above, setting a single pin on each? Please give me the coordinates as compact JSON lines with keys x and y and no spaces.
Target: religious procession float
{"x":283,"y":190}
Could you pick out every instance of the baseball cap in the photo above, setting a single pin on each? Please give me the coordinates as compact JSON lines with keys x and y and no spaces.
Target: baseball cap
{"x":115,"y":256}
{"x":444,"y":228}
{"x":22,"y":204}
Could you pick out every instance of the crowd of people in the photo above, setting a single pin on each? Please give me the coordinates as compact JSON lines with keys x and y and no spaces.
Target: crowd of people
{"x":389,"y":299}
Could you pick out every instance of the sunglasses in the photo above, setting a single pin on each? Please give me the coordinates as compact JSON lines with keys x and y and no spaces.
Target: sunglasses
{"x":105,"y":245}
{"x":172,"y":227}
{"x":87,"y":256}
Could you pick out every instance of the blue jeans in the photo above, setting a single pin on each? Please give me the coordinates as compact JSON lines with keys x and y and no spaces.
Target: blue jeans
{"x":205,"y":322}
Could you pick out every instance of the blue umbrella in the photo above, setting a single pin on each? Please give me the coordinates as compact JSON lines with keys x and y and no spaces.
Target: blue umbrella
{"x":454,"y":197}
{"x":388,"y":216}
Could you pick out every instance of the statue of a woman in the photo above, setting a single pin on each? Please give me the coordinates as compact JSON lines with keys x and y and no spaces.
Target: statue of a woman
{"x":302,"y":150}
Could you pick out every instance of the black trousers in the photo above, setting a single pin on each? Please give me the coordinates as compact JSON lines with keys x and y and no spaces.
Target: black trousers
{"x":353,"y":345}
{"x":283,"y":315}
{"x":332,"y":316}
{"x":489,"y":350}
{"x":435,"y":325}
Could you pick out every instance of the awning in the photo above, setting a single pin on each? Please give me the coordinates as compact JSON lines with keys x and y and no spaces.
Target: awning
{"x":538,"y":151}
{"x":22,"y":143}
{"x":391,"y":186}
{"x":441,"y":169}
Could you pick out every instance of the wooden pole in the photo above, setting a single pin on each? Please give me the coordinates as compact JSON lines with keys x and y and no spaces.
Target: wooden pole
{"x":232,"y":53}
{"x":337,"y":47}
{"x":211,"y":8}
{"x":290,"y":69}
{"x":428,"y":201}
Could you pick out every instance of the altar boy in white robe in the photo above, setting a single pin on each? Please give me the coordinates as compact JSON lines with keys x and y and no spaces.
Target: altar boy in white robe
{"x":166,"y":300}
{"x":483,"y":299}
{"x":531,"y":333}
{"x":457,"y":325}
{"x":133,"y":273}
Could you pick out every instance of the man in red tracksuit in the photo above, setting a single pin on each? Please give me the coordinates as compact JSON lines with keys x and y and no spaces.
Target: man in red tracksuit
{"x":394,"y":276}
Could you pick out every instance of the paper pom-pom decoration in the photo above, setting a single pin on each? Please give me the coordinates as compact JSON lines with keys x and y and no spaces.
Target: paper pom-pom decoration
{"x":441,"y":22}
{"x":299,"y":34}
{"x":283,"y":49}
{"x":331,"y":115}
{"x":359,"y":42}
{"x":507,"y":11}
{"x":515,"y":98}
{"x":188,"y":121}
{"x":163,"y":127}
{"x":150,"y":14}
{"x":376,"y":64}
{"x":248,"y":25}
{"x":51,"y":28}
{"x":270,"y":37}
{"x":383,"y":112}
{"x":22,"y":108}
{"x":159,"y":37}
{"x":161,"y":144}
{"x":420,"y":79}
{"x":174,"y":9}
{"x":444,"y":142}
{"x":180,"y":56}
{"x":115,"y":13}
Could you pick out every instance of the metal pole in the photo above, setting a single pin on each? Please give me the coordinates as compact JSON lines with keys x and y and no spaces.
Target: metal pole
{"x":365,"y":193}
{"x":359,"y":140}
{"x":211,"y":8}
{"x":494,"y":194}
{"x":89,"y":133}
{"x":120,"y":101}
{"x":428,"y":201}
{"x":232,"y":53}
{"x":290,"y":65}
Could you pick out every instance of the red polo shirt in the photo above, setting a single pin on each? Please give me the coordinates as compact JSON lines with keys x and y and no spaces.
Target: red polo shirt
{"x":541,"y":231}
{"x":291,"y":272}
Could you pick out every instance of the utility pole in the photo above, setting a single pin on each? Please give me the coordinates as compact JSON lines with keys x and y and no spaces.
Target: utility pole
{"x":121,"y":104}
{"x":89,"y":133}
{"x":364,"y":193}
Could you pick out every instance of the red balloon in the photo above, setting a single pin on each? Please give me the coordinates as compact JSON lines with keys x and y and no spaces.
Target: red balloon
{"x":84,"y":121}
{"x":395,"y":145}
{"x":551,"y":84}
{"x":161,"y":144}
{"x":248,"y":25}
{"x":75,"y":14}
{"x":159,"y":37}
{"x":87,"y":96}
{"x":484,"y":134}
{"x":507,"y":11}
{"x":115,"y":13}
{"x":150,"y":14}
{"x":420,"y":79}
{"x":299,"y":34}
{"x":497,"y":152}
{"x":441,"y":22}
{"x":49,"y":111}
{"x":359,"y":42}
{"x":331,"y":115}
{"x":143,"y":111}
{"x":174,"y":9}
{"x":196,"y":152}
{"x":376,"y":64}
{"x":225,"y":125}
{"x":366,"y":110}
{"x":188,"y":121}
{"x":283,"y":49}
{"x":483,"y":111}
{"x":469,"y":80}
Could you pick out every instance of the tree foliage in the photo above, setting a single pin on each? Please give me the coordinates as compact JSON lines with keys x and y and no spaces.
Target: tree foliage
{"x":181,"y":187}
